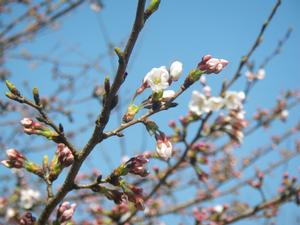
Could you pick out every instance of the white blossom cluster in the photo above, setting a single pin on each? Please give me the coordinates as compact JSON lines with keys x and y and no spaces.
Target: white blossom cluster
{"x":200,"y":103}
{"x":159,"y":79}
{"x":28,"y":197}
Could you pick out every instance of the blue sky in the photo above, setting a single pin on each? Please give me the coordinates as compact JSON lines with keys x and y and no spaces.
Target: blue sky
{"x":180,"y":30}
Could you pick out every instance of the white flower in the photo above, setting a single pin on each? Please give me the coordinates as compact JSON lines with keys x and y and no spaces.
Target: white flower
{"x":163,"y":147}
{"x":215,"y":103}
{"x":260,"y":75}
{"x":10,"y":213}
{"x":176,"y":70}
{"x":164,"y":150}
{"x":198,"y":103}
{"x":28,"y":197}
{"x":168,"y":94}
{"x":250,"y":76}
{"x":234,"y":100}
{"x":218,"y":208}
{"x":157,"y":79}
{"x":284,"y":115}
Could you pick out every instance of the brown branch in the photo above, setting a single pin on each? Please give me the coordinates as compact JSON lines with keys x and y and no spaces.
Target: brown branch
{"x":38,"y":25}
{"x":102,"y":120}
{"x":280,"y":199}
{"x":257,"y":42}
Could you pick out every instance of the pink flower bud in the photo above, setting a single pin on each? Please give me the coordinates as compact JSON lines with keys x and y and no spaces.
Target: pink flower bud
{"x":26,"y":122}
{"x":136,"y":165}
{"x":27,"y":219}
{"x":212,"y":65}
{"x":65,"y":212}
{"x":29,"y":123}
{"x":163,"y":146}
{"x":15,"y":159}
{"x":65,"y":156}
{"x":172,"y":124}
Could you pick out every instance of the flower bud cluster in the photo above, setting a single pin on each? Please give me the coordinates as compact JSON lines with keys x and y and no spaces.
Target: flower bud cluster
{"x":211,"y":215}
{"x":233,"y":124}
{"x":27,"y":219}
{"x":287,"y":183}
{"x":34,"y":127}
{"x":212,"y":65}
{"x":65,"y":155}
{"x":65,"y":212}
{"x":15,"y":159}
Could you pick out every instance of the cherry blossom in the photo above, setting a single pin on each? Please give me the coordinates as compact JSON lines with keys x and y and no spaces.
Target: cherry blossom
{"x":157,"y":79}
{"x":176,"y":70}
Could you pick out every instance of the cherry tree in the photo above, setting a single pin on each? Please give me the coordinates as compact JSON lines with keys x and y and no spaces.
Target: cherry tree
{"x":55,"y":175}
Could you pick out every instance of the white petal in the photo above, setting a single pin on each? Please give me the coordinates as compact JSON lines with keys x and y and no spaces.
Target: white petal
{"x":176,"y":70}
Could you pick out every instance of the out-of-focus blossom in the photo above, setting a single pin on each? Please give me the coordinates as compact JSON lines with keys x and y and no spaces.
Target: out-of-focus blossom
{"x":207,"y":90}
{"x":212,"y":65}
{"x":135,"y":195}
{"x":215,"y":103}
{"x":10,"y":213}
{"x":96,"y":5}
{"x":234,"y":99}
{"x":27,"y":219}
{"x":65,"y":212}
{"x":136,"y":165}
{"x":157,"y":79}
{"x":260,"y":75}
{"x":15,"y":159}
{"x":163,"y":146}
{"x":198,"y":104}
{"x":203,"y":80}
{"x":176,"y":70}
{"x":284,"y":115}
{"x":200,"y":215}
{"x":250,"y":76}
{"x":64,"y":154}
{"x":218,"y":208}
{"x":29,"y":197}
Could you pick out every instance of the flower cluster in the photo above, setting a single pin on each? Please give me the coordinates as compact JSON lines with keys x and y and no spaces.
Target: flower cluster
{"x":211,"y":215}
{"x":287,"y":183}
{"x":258,"y":182}
{"x":200,"y":103}
{"x":135,"y":195}
{"x":63,"y":158}
{"x":29,"y":197}
{"x":27,"y":219}
{"x":233,"y":124}
{"x":159,"y":79}
{"x":65,"y":212}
